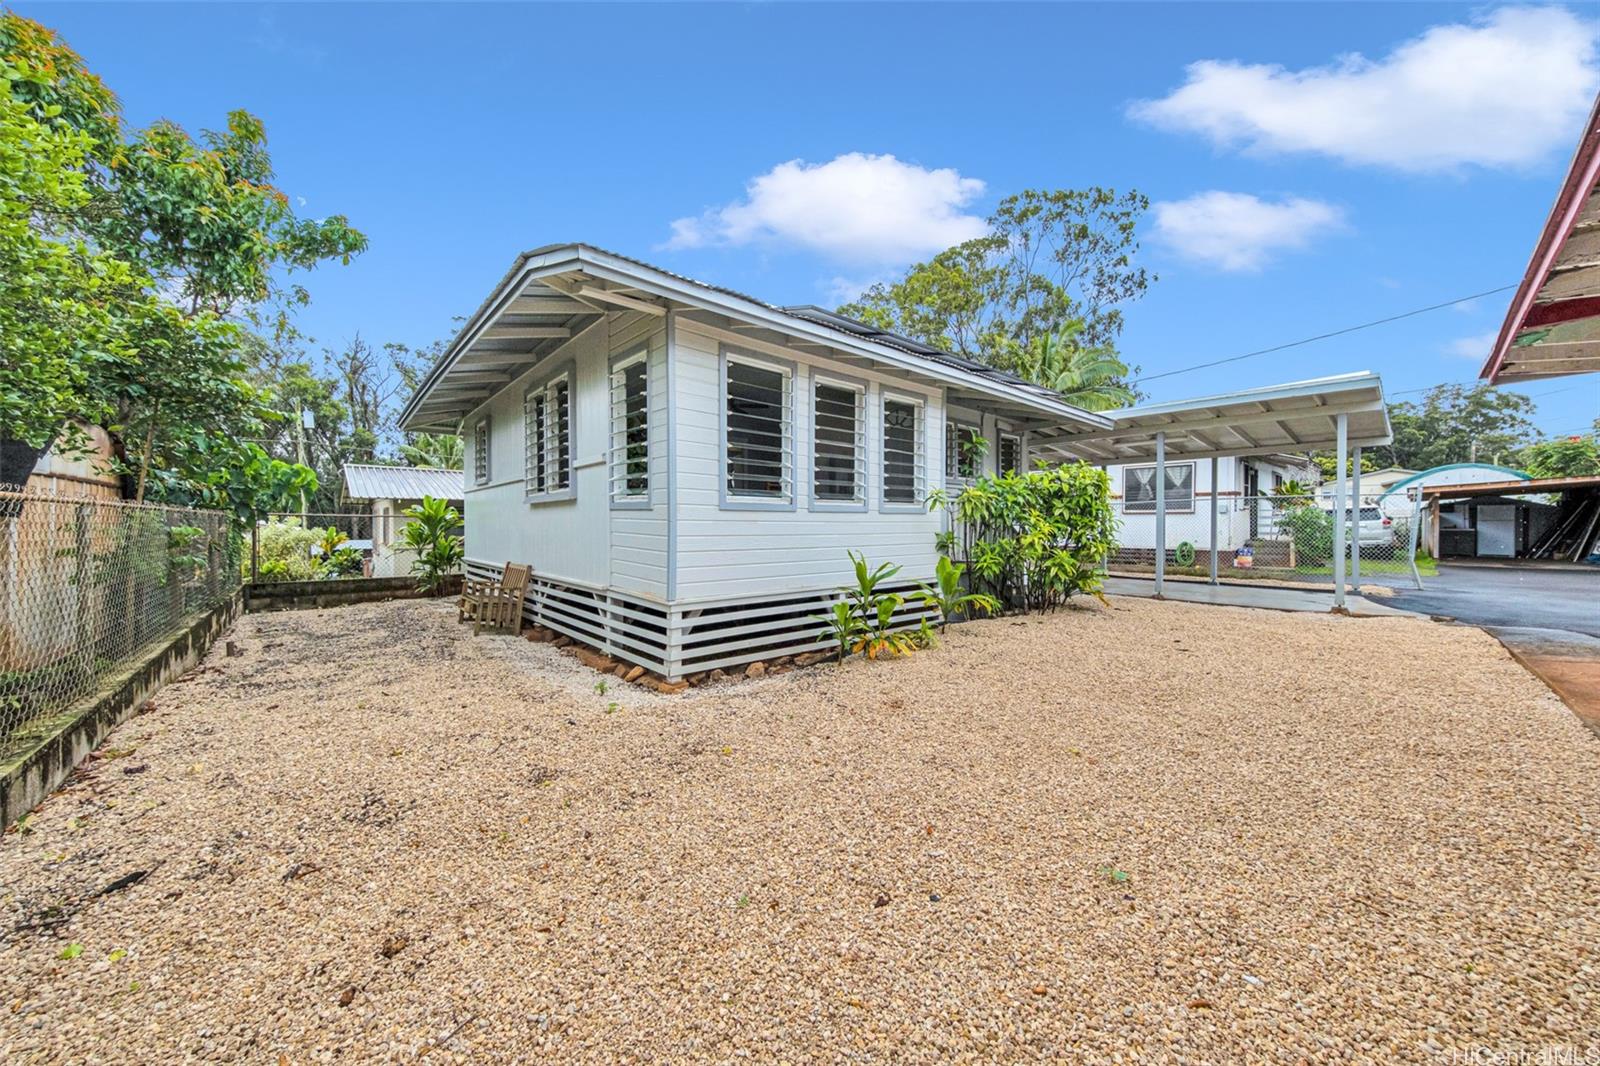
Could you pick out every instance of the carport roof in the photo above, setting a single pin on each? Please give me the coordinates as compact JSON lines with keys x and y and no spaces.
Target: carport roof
{"x":1300,"y":416}
{"x":1525,"y":487}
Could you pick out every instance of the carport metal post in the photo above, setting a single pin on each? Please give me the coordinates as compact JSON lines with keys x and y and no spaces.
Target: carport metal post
{"x":1213,"y":519}
{"x":1161,"y":510}
{"x":1355,"y":517}
{"x":1340,"y":490}
{"x":1416,"y":532}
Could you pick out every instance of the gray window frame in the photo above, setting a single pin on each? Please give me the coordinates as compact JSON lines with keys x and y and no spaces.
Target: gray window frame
{"x":920,"y":445}
{"x":863,"y":439}
{"x":481,"y":436}
{"x":626,"y":501}
{"x":790,"y":448}
{"x":546,"y":384}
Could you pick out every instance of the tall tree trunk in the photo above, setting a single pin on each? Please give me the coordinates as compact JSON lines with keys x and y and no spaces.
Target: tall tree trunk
{"x":144,"y":454}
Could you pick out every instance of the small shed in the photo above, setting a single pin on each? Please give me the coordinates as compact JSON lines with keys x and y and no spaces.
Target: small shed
{"x":388,"y":491}
{"x":1514,"y":519}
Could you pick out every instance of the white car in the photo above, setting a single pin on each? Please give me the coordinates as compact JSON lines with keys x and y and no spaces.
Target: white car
{"x":1374,"y":529}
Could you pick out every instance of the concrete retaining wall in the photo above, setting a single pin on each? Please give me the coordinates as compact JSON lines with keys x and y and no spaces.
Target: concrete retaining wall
{"x":311,"y":595}
{"x":66,"y":739}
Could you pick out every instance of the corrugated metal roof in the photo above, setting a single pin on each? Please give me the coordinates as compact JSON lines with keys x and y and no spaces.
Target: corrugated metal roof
{"x":363,"y":481}
{"x":983,"y":379}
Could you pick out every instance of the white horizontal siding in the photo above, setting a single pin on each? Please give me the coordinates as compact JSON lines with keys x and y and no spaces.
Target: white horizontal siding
{"x":724,"y":553}
{"x":639,"y":536}
{"x":569,"y":539}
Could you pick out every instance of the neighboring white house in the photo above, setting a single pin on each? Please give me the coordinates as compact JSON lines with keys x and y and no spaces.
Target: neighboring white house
{"x":1245,"y":512}
{"x":686,"y":468}
{"x":388,"y":491}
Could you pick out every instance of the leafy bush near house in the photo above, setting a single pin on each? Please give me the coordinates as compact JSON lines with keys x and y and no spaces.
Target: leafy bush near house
{"x":431,"y":535}
{"x":342,"y":563}
{"x":950,"y":598}
{"x":1309,"y":527}
{"x":1032,"y":541}
{"x":284,"y":551}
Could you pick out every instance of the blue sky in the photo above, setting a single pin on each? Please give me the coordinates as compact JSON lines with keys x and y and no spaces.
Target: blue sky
{"x":1324,"y":165}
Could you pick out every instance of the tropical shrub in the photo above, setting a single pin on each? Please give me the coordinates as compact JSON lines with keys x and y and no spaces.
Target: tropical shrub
{"x":342,"y":563}
{"x":1032,"y":541}
{"x":284,"y":551}
{"x":431,"y":535}
{"x":949,"y":598}
{"x":863,"y":621}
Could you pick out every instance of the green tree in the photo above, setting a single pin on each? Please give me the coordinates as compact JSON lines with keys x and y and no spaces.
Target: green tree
{"x":1092,"y":378}
{"x":1576,"y":456}
{"x":58,"y":291}
{"x":159,"y":250}
{"x":1459,"y":424}
{"x":1049,"y":257}
{"x":434,"y":449}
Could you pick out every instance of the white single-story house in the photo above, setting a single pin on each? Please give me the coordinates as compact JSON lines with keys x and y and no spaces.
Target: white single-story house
{"x":388,"y":491}
{"x":1246,"y":515}
{"x":686,"y":468}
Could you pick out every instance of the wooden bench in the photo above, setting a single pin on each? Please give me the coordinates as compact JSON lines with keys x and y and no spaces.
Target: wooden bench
{"x":495,"y":603}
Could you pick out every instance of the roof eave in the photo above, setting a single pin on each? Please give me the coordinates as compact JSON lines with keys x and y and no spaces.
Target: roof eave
{"x":557,"y":259}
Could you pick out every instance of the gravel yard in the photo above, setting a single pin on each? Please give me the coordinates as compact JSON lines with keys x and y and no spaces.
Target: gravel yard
{"x":1154,"y":829}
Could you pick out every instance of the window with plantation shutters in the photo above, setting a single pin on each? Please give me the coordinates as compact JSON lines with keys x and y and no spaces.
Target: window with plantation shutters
{"x":838,"y":443}
{"x":903,"y":453}
{"x":757,"y":432}
{"x":547,"y":439}
{"x":480,"y":452}
{"x":630,"y":430}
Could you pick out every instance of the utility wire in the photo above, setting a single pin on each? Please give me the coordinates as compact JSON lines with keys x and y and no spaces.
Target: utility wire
{"x":1321,"y":336}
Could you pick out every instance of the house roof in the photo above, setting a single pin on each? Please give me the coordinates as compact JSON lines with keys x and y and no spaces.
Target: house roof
{"x":1552,"y":327}
{"x":554,"y":293}
{"x":1296,"y":417}
{"x":364,"y":481}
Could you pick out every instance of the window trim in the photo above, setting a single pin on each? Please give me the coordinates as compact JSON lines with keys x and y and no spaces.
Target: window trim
{"x":954,"y":477}
{"x":920,"y":481}
{"x":625,"y":501}
{"x":564,"y":371}
{"x":481,"y":470}
{"x":863,"y":437}
{"x":1126,"y":501}
{"x":726,"y":501}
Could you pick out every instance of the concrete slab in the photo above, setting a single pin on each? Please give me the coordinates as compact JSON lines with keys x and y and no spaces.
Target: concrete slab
{"x":1568,"y":662}
{"x":1263,"y":597}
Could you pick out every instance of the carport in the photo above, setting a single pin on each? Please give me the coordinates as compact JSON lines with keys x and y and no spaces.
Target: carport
{"x":1342,"y":414}
{"x":1569,"y":531}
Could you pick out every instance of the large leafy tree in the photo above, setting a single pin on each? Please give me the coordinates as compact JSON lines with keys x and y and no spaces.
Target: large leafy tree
{"x":1049,"y":258}
{"x":172,"y":246}
{"x":59,"y":293}
{"x":1459,"y":424}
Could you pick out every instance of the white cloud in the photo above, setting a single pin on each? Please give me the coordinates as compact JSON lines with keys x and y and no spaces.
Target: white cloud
{"x":1475,"y":349}
{"x":1237,"y":231}
{"x":1502,"y":91}
{"x":857,"y":207}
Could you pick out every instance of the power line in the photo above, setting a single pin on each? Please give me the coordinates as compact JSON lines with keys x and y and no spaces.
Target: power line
{"x":1322,"y":336}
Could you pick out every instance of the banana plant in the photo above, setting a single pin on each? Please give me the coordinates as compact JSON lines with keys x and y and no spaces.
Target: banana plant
{"x":949,"y":598}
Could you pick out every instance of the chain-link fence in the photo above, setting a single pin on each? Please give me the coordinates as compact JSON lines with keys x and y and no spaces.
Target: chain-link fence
{"x":87,"y":584}
{"x":1282,"y":538}
{"x":328,"y":547}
